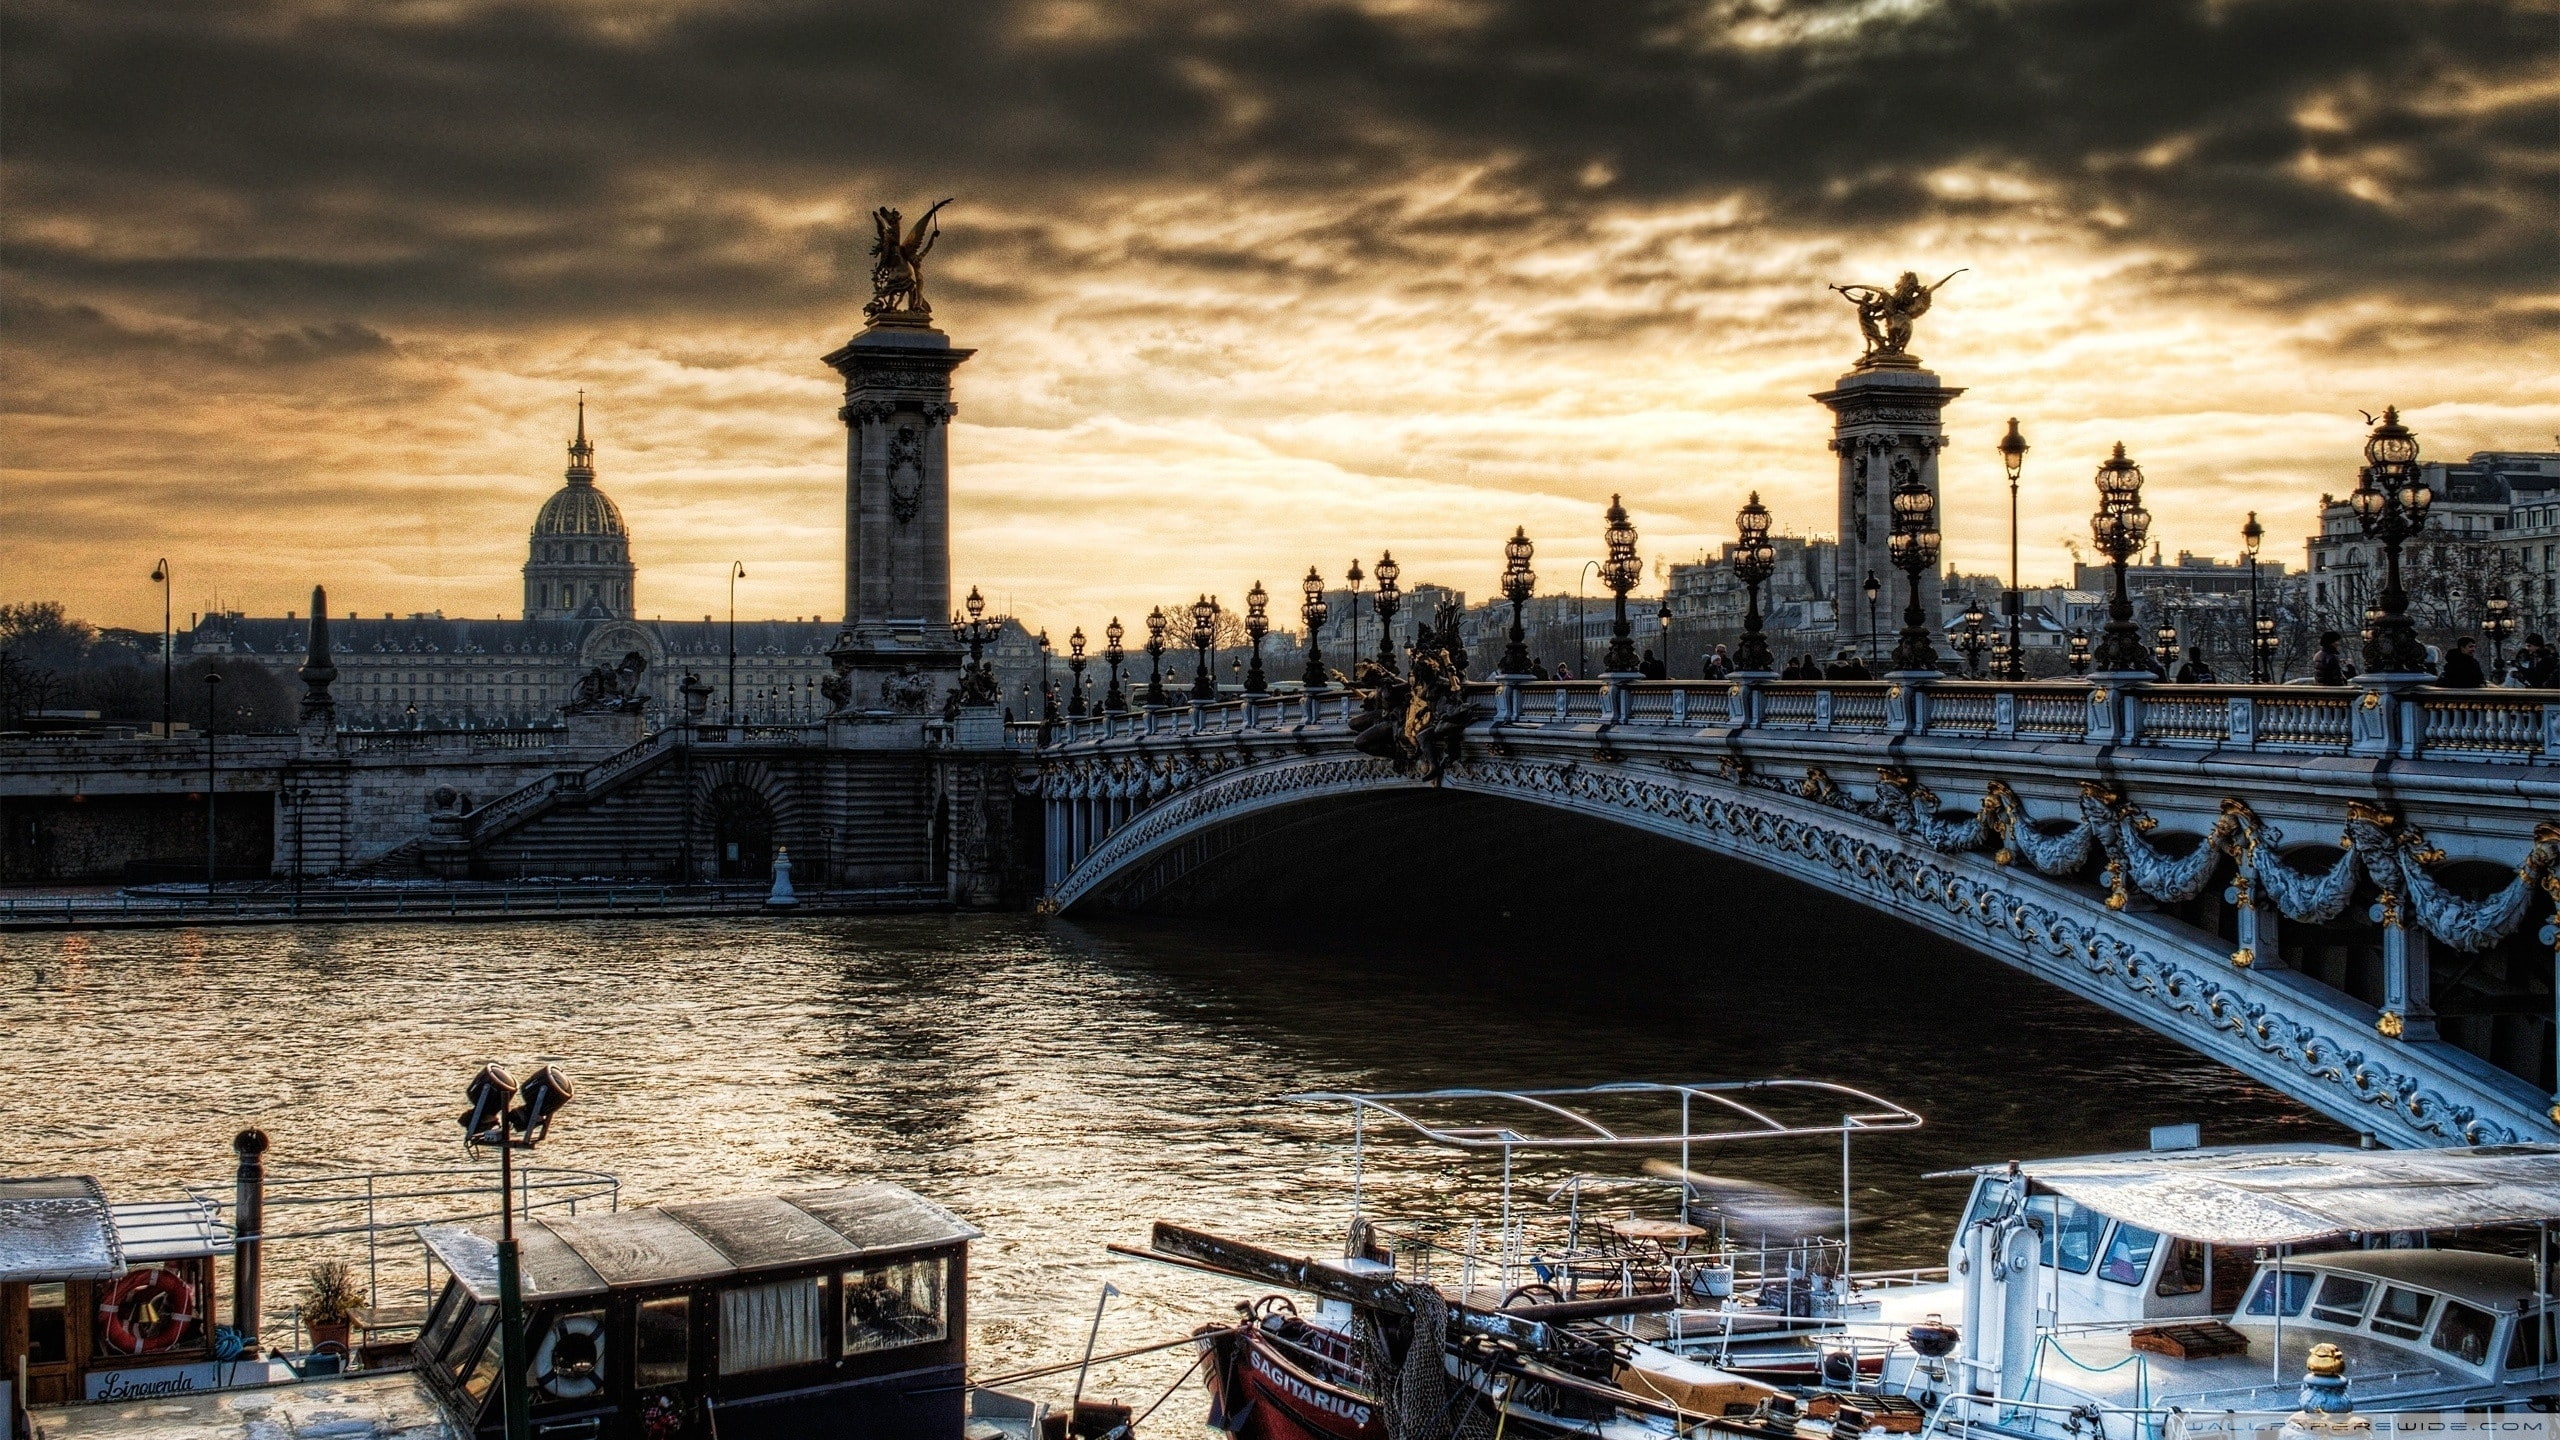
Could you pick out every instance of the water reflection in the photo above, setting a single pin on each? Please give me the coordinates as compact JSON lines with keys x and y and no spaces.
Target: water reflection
{"x":1060,"y":1085}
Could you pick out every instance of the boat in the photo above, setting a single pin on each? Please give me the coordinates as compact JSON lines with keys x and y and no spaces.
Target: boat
{"x":2115,"y":1297}
{"x":1559,"y":1325}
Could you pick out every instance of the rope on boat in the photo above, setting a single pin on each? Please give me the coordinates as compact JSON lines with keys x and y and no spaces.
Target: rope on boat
{"x":1132,"y":1427}
{"x":1045,"y":1371}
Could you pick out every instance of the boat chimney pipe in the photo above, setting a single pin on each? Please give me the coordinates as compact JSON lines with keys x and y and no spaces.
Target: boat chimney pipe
{"x":248,"y":1220}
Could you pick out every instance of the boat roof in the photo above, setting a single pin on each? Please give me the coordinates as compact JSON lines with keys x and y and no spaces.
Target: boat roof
{"x":57,"y":1227}
{"x":153,"y":1230}
{"x":2267,"y":1195}
{"x":2495,"y":1282}
{"x":1565,"y":1119}
{"x":674,"y":1244}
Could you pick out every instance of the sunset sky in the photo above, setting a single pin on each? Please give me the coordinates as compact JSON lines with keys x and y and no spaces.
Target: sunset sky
{"x":302,"y":291}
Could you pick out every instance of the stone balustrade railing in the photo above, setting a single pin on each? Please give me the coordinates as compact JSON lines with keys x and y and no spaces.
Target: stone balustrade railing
{"x":2380,"y":719}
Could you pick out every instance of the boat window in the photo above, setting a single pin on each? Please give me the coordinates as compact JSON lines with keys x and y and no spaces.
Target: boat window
{"x":2463,"y":1331}
{"x":568,"y":1361}
{"x":2402,"y":1313}
{"x":1987,"y":1194}
{"x":2341,"y":1300}
{"x":662,"y":1342}
{"x":2070,"y":1231}
{"x":467,"y":1340}
{"x":891,"y":1305}
{"x":2128,"y":1254}
{"x":2183,"y":1272}
{"x":483,"y":1362}
{"x":765,"y":1327}
{"x":451,"y":1306}
{"x":48,"y":1323}
{"x":2297,"y":1289}
{"x":2532,"y":1347}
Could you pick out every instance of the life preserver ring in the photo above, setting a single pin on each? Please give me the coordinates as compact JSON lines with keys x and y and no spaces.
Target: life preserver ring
{"x":147,"y":1312}
{"x":569,"y":1363}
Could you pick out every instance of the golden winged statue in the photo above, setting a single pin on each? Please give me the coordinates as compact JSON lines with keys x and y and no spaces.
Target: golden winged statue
{"x":1885,"y":316}
{"x":897,"y":262}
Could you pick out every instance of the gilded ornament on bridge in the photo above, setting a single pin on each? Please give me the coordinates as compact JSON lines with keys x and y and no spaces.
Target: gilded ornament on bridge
{"x":2243,"y":958}
{"x":2389,"y":1025}
{"x":897,"y":266}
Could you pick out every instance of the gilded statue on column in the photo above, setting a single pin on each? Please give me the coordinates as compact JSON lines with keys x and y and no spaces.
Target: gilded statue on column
{"x":897,"y":263}
{"x":1885,"y":316}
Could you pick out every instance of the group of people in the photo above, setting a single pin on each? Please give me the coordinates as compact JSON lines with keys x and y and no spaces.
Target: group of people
{"x":2536,"y":667}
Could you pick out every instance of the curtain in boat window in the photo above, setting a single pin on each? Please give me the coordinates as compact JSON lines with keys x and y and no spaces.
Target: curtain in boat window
{"x":763,"y":1327}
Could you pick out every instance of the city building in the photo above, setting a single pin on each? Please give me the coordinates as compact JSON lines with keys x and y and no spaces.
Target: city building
{"x":2492,"y":529}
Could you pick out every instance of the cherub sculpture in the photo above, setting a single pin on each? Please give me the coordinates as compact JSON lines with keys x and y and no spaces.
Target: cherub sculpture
{"x":897,"y":262}
{"x":1885,"y":316}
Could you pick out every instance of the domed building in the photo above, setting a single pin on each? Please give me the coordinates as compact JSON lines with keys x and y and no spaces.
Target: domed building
{"x":579,"y":565}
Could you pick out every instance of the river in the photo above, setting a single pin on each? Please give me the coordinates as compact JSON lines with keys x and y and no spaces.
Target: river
{"x":1062,"y":1085}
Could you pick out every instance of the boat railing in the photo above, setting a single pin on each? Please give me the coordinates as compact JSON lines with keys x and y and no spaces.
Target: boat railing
{"x":326,"y":1215}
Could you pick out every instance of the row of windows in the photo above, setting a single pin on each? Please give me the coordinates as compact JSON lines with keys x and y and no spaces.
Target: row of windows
{"x":768,"y":1326}
{"x":562,"y":553}
{"x":2460,"y":1330}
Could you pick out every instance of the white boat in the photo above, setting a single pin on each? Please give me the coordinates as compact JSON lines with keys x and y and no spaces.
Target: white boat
{"x":2120,"y":1296}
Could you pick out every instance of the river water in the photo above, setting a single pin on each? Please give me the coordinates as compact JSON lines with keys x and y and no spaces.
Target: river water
{"x":1061,"y":1085}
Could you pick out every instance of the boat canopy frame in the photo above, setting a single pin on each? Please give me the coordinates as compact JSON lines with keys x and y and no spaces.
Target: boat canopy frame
{"x":1864,"y":1112}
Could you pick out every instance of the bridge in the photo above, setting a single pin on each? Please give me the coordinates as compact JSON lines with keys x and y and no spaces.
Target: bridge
{"x":2344,"y":893}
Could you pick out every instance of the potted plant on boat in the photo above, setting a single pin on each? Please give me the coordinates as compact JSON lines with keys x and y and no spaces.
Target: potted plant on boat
{"x":330,"y":1298}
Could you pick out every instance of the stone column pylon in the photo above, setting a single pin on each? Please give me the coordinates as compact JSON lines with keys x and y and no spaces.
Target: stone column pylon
{"x":1886,"y":420}
{"x":896,"y":647}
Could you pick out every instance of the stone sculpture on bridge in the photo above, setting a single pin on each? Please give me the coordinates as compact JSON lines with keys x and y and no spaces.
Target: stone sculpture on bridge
{"x":611,"y":689}
{"x":897,"y":268}
{"x":1420,"y":719}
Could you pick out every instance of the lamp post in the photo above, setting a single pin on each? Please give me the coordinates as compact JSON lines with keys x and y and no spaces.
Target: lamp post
{"x":522,"y":1125}
{"x":738,"y":572}
{"x":2251,"y":536}
{"x":1387,"y":599}
{"x":1048,"y":692}
{"x":2164,"y":647}
{"x":1753,"y":563}
{"x":212,"y":727}
{"x":1913,"y":549}
{"x":976,"y":628}
{"x":1872,"y":589}
{"x":1257,"y":623}
{"x":2013,"y":458}
{"x":2079,"y":651}
{"x":2391,"y":505}
{"x":2119,"y":526}
{"x":1355,"y":577}
{"x":1974,"y":639}
{"x":1620,"y":573}
{"x":1662,"y":622}
{"x":2263,"y":634}
{"x":2498,"y":621}
{"x":1204,"y":633}
{"x":168,"y":652}
{"x":1582,"y":621}
{"x":1518,"y":583}
{"x":297,"y":802}
{"x":1156,"y":698}
{"x":1112,"y":654}
{"x":1312,"y":610}
{"x":697,"y":700}
{"x":1075,"y":669}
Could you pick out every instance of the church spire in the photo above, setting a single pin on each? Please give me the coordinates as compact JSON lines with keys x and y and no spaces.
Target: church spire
{"x":582,"y":456}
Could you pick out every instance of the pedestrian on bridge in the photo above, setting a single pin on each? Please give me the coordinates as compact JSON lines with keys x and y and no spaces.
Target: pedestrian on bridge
{"x":2329,"y":667}
{"x":2196,"y":671}
{"x":2462,"y":667}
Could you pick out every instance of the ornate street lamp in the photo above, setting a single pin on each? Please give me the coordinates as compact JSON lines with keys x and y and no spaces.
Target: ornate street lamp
{"x":1662,"y":622}
{"x":977,"y":633}
{"x":1914,"y":548}
{"x":2252,"y":535}
{"x":2164,"y":648}
{"x":2498,"y":621}
{"x":2079,"y":651}
{"x":1257,"y":623}
{"x":1872,"y":589}
{"x":160,"y":576}
{"x":1204,"y":633}
{"x":1355,"y":577}
{"x":1112,"y":654}
{"x":1075,"y":668}
{"x":1313,"y":611}
{"x":2265,"y":645}
{"x":1156,"y":698}
{"x":1753,"y":563}
{"x":2120,"y":525}
{"x":1387,"y":599}
{"x":2003,"y":659}
{"x":1048,"y":692}
{"x":1974,"y":639}
{"x":738,"y":572}
{"x":2013,"y":458}
{"x":2391,"y":505}
{"x":1620,"y":572}
{"x":1518,"y":583}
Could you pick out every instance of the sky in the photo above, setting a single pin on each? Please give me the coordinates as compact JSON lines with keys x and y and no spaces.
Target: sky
{"x":304,"y":291}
